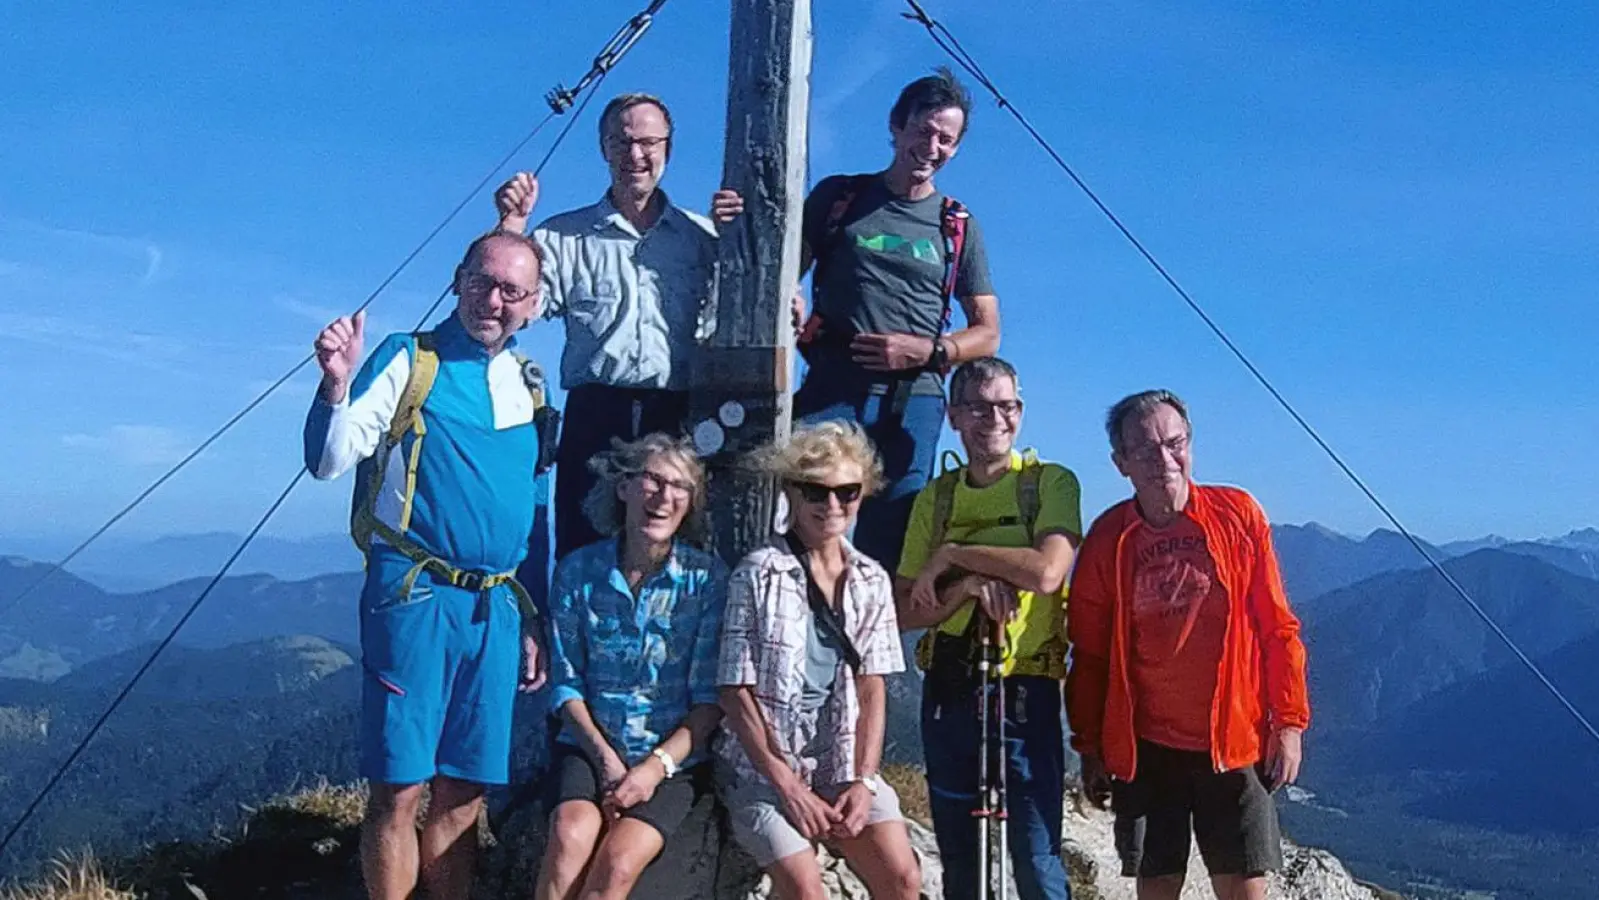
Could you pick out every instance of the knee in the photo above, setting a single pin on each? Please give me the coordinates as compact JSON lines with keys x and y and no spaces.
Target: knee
{"x":391,"y":805}
{"x":457,"y":801}
{"x":613,"y":875}
{"x":905,"y":879}
{"x":574,"y":830}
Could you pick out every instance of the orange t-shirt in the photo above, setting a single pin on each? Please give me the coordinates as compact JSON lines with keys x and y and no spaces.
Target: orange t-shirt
{"x":1179,"y":622}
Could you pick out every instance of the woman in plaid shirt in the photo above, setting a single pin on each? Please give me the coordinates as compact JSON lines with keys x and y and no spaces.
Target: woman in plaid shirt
{"x":801,"y":679}
{"x":636,"y":618}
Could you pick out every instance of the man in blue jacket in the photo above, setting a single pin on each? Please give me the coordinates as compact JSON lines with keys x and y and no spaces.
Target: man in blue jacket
{"x":443,"y":425}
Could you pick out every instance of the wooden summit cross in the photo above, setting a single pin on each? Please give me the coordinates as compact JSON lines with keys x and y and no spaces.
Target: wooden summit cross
{"x":743,"y":375}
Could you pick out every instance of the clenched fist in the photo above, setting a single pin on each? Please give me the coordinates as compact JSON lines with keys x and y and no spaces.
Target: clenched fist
{"x":338,"y":352}
{"x":515,"y":200}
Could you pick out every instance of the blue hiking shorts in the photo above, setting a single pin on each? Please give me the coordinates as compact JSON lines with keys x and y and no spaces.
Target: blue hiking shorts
{"x":441,"y":669}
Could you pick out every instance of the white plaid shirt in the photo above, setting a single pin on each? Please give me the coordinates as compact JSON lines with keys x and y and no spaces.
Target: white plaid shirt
{"x":763,"y":646}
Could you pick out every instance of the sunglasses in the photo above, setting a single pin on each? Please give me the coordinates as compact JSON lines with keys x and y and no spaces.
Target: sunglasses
{"x":811,"y":492}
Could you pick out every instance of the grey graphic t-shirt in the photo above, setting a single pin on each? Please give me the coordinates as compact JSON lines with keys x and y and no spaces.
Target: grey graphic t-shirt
{"x":882,"y":272}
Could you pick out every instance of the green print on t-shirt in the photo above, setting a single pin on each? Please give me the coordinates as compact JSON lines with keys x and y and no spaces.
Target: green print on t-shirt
{"x":923,"y":250}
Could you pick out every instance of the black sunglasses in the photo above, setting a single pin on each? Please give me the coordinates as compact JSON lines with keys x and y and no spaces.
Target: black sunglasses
{"x":817,"y":493}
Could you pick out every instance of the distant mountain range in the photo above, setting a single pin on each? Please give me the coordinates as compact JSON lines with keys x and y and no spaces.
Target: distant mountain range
{"x":69,"y":622}
{"x":1315,"y":558}
{"x":123,"y":566}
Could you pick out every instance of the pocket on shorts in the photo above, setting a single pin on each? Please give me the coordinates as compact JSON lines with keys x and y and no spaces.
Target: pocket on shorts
{"x":386,"y":593}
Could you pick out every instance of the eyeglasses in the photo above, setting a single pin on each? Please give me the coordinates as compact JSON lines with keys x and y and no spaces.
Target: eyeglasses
{"x":650,"y":143}
{"x":660,"y":484}
{"x":813,"y":492}
{"x":1147,"y":453}
{"x":479,"y":283}
{"x":983,"y":409}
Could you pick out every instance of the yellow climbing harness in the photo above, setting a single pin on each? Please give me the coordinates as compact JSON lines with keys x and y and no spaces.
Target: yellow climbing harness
{"x":408,"y":419}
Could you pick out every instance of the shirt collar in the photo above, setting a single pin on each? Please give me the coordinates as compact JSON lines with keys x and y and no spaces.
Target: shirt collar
{"x":611,"y":217}
{"x":673,"y":569}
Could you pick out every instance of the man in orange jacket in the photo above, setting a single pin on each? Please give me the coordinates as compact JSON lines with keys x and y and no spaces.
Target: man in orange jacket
{"x":1186,"y":692}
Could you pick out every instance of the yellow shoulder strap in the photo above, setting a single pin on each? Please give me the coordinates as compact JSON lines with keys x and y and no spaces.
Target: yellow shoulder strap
{"x":1027,"y":491}
{"x":407,"y":417}
{"x":424,"y":369}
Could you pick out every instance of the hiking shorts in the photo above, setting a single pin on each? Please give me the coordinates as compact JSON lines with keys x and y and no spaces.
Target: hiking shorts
{"x":441,"y":666}
{"x":574,"y":778}
{"x":759,"y":825}
{"x":1177,"y":794}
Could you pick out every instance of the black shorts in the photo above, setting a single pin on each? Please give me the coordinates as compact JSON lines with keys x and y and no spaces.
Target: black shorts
{"x":575,"y":779}
{"x":1176,"y":793}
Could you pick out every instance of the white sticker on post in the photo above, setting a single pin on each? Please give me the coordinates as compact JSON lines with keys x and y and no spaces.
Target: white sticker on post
{"x":708,"y":438}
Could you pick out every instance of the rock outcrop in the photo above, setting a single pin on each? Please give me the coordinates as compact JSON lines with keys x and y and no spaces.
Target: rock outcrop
{"x":304,"y":847}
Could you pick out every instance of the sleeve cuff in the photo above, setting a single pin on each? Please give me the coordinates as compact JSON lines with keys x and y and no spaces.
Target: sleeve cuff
{"x":562,"y":695}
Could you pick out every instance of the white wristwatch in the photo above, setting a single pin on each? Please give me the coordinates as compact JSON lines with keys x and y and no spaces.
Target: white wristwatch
{"x":871,"y":782}
{"x":667,"y":762}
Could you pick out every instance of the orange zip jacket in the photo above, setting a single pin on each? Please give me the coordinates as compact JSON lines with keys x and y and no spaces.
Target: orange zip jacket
{"x":1261,"y":682}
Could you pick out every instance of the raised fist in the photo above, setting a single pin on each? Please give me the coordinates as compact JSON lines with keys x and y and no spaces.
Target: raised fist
{"x":514,"y":201}
{"x":338,"y":352}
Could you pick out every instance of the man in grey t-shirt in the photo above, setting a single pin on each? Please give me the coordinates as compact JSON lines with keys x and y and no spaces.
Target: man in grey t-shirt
{"x":875,"y":340}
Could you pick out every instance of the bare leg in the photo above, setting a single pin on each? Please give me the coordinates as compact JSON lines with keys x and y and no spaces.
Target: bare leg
{"x":449,"y":838}
{"x":628,"y":847}
{"x":1166,"y":887}
{"x":388,"y":841}
{"x":575,"y":828}
{"x":1239,"y":887}
{"x":883,"y":858}
{"x":797,"y":877}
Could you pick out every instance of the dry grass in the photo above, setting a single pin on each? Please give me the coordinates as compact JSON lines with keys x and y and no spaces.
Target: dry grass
{"x":71,"y":877}
{"x":332,"y":805}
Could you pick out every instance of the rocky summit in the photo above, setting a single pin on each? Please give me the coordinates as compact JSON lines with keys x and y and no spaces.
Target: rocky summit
{"x":303,"y":847}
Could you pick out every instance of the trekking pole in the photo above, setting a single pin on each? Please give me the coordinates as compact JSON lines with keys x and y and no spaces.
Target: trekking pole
{"x":984,"y":810}
{"x":1002,"y":761}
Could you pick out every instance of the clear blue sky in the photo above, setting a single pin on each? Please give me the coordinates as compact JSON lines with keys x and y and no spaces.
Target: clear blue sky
{"x":1390,"y":206}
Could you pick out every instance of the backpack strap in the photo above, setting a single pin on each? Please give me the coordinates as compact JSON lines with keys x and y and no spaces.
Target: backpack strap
{"x":952,"y":218}
{"x":1028,"y":500}
{"x":546,"y":418}
{"x":407,"y":419}
{"x":951,"y":471}
{"x":832,"y":229}
{"x":829,"y":621}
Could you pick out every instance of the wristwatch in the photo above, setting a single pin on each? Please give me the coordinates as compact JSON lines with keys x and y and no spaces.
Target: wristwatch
{"x":938,"y":360}
{"x":871,"y":782}
{"x":667,"y":762}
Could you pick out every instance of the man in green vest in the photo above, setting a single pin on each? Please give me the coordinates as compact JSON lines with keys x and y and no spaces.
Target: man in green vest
{"x":988,"y":549}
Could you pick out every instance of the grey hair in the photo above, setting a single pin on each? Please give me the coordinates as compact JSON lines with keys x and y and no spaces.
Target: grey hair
{"x":627,"y":460}
{"x":978,"y":372}
{"x":813,"y":450}
{"x":1140,"y":404}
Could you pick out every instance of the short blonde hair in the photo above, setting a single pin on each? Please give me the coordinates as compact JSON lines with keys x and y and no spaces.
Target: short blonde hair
{"x":629,"y":459}
{"x":813,"y":451}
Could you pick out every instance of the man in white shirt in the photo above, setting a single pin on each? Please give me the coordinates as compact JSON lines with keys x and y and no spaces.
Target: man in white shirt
{"x":632,"y":277}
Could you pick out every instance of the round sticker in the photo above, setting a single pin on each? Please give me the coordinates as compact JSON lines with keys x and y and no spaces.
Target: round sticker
{"x":731,"y":414}
{"x":708,"y":437}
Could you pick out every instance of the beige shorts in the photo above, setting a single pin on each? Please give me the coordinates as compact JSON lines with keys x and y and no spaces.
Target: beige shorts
{"x":760,"y":827}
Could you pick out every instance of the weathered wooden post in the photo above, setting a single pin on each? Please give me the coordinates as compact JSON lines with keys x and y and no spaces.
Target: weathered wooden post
{"x":742,"y":379}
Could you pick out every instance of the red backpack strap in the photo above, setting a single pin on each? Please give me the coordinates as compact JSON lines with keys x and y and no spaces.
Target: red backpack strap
{"x":832,"y":227}
{"x":952,"y":224}
{"x":853,"y":186}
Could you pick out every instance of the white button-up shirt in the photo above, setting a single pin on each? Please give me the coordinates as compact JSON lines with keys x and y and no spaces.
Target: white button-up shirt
{"x":634,"y":304}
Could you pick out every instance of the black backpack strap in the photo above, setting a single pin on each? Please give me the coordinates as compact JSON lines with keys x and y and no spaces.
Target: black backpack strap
{"x":828,"y":620}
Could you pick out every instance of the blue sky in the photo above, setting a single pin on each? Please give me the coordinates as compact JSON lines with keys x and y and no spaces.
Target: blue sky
{"x":1390,"y":209}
